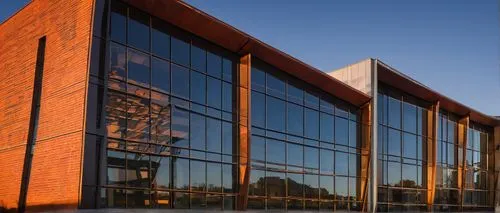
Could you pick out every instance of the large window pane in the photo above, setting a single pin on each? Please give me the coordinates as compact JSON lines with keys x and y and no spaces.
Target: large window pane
{"x":341,"y":163}
{"x":161,"y":75}
{"x":275,"y":184}
{"x":214,"y":65}
{"x":227,"y":69}
{"x":227,"y":138}
{"x":275,"y":153}
{"x":311,"y":184}
{"x":409,"y":146}
{"x":180,"y":125}
{"x":394,"y":142}
{"x":295,"y":94}
{"x":197,"y":131}
{"x":137,"y":118}
{"x":160,"y":39}
{"x":409,"y":117}
{"x":275,"y":114}
{"x":198,"y":174}
{"x":228,"y":176}
{"x":326,"y":161}
{"x":295,"y":185}
{"x":295,"y":119}
{"x":116,"y":168}
{"x":258,"y":149}
{"x":116,"y":123}
{"x":258,"y":109}
{"x":341,"y":184}
{"x":181,"y":173}
{"x":311,"y":100}
{"x":160,"y":118}
{"x":311,"y":159}
{"x":160,"y":172}
{"x":295,"y":155}
{"x":180,"y":51}
{"x":394,"y":174}
{"x":138,"y":68}
{"x":341,"y":131}
{"x":394,"y":113}
{"x":409,"y":175}
{"x":227,"y":97}
{"x":198,"y":87}
{"x":275,"y":86}
{"x":326,"y":187}
{"x":180,"y":81}
{"x":138,"y":29}
{"x":354,"y":134}
{"x":117,"y":62}
{"x":118,"y":28}
{"x":326,"y":127}
{"x":214,"y":92}
{"x":198,"y":59}
{"x":311,"y":126}
{"x":214,"y":135}
{"x":258,"y":80}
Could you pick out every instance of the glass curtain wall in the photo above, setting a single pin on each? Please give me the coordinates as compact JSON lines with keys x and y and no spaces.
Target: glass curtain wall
{"x":402,"y":141}
{"x":305,"y":146}
{"x":169,"y":114}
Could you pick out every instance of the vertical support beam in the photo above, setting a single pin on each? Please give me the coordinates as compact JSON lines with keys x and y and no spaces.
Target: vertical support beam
{"x":366,"y":152}
{"x":373,"y":155}
{"x":432,"y":130}
{"x":495,"y":160}
{"x":244,"y":130}
{"x":463,"y":127}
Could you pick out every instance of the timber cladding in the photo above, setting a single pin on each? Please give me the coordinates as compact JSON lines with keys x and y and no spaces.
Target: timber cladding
{"x":55,"y":171}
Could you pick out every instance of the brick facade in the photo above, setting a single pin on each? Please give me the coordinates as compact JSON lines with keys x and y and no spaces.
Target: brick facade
{"x":56,"y":168}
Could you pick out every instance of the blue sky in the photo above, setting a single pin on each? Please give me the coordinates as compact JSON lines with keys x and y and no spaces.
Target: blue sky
{"x":452,"y":46}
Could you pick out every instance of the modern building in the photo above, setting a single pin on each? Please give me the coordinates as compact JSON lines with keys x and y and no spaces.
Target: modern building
{"x":155,"y":104}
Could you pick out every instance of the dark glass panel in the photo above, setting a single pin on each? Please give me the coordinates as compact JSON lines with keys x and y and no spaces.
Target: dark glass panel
{"x":452,"y":131}
{"x":180,"y":81}
{"x":295,"y":94}
{"x":275,"y":114}
{"x":295,"y":155}
{"x":138,"y":68}
{"x":354,"y":189}
{"x":326,"y":188}
{"x":409,"y":145}
{"x":275,"y":154}
{"x":394,"y":142}
{"x":326,"y":105}
{"x":160,"y":75}
{"x":295,"y":204}
{"x":258,"y":109}
{"x":180,"y":125}
{"x":311,"y":186}
{"x":341,"y":131}
{"x":138,"y":199}
{"x":341,"y":109}
{"x":227,"y":97}
{"x":198,"y":175}
{"x":181,"y":173}
{"x":228,"y":176}
{"x":394,"y":113}
{"x":118,"y":28}
{"x":198,"y":201}
{"x":214,"y":202}
{"x":409,"y":176}
{"x":394,"y":174}
{"x":258,"y":80}
{"x":160,"y":172}
{"x":311,"y":100}
{"x":341,"y":163}
{"x":214,"y":65}
{"x":409,"y":117}
{"x":422,"y":122}
{"x":138,"y":117}
{"x":227,"y":138}
{"x":256,"y":203}
{"x":295,"y":185}
{"x":326,"y":161}
{"x":116,"y":168}
{"x":311,"y":127}
{"x":161,"y":199}
{"x":181,"y":200}
{"x":214,"y":92}
{"x":138,"y":29}
{"x":116,"y":123}
{"x":354,"y":165}
{"x":452,"y":155}
{"x":341,"y":184}
{"x":275,"y":184}
{"x":354,"y":134}
{"x":295,"y":119}
{"x":197,"y":131}
{"x":275,"y":86}
{"x":180,"y":51}
{"x":311,"y":159}
{"x":137,"y":170}
{"x":198,"y":59}
{"x":214,"y":135}
{"x":258,"y":147}
{"x":275,"y":204}
{"x":229,"y":202}
{"x":326,"y":127}
{"x":227,"y":70}
{"x":160,"y":118}
{"x":117,"y":62}
{"x":382,"y":108}
{"x":160,"y":39}
{"x":198,"y":87}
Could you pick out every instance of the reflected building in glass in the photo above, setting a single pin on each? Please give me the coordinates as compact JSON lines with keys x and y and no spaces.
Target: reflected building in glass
{"x":179,"y":110}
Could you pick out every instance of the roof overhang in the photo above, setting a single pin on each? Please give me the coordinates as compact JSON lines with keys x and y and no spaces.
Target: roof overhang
{"x":207,"y":27}
{"x":394,"y":78}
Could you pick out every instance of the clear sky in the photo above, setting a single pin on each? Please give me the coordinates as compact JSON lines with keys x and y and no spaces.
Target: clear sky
{"x":452,"y":46}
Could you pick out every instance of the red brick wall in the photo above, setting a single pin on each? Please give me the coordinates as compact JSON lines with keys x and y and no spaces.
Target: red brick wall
{"x":55,"y":173}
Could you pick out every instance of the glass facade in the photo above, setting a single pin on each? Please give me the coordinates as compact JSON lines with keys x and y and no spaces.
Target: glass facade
{"x":305,"y":152}
{"x":162,"y":132}
{"x":169,"y":116}
{"x":402,"y":141}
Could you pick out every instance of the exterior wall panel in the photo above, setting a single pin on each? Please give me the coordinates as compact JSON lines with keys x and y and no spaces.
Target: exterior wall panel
{"x":56,"y":168}
{"x":356,"y":75}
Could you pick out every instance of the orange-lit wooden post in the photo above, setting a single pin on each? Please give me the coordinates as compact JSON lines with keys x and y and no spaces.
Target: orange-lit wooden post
{"x":365,"y":153}
{"x":432,"y":130}
{"x":463,"y":126}
{"x":244,"y":130}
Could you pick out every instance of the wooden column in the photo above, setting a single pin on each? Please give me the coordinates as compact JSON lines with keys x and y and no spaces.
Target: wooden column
{"x":243,"y":99}
{"x":366,"y":151}
{"x":494,"y":163}
{"x":432,"y":130}
{"x":463,"y":131}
